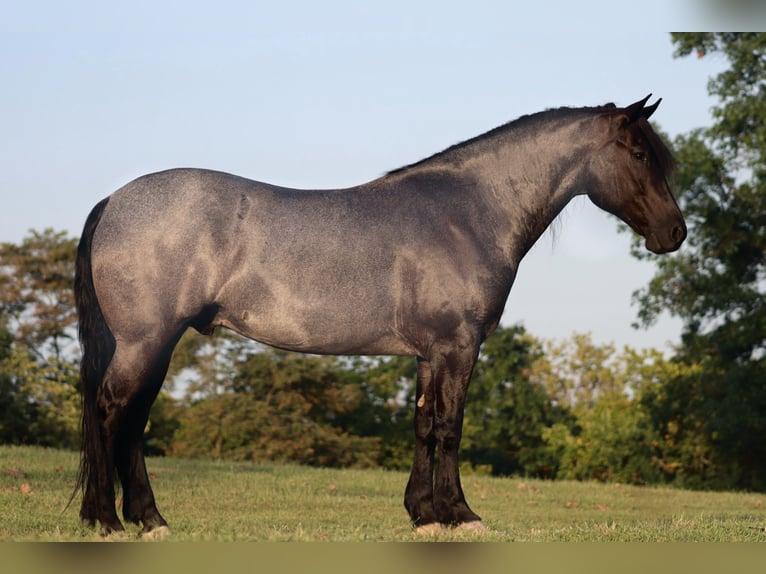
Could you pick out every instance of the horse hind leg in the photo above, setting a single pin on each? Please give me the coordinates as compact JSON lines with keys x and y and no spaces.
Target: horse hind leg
{"x":138,"y":505}
{"x":135,"y":379}
{"x":97,"y":474}
{"x":98,"y":461}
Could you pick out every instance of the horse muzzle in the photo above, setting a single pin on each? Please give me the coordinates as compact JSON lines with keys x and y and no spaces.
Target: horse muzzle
{"x":665,"y":240}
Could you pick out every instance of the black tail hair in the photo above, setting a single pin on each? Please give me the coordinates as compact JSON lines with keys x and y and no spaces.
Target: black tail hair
{"x":98,"y":344}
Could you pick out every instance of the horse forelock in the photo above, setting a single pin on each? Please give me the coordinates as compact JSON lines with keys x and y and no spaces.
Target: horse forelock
{"x":665,"y":162}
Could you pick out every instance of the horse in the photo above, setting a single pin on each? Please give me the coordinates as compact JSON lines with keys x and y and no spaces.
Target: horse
{"x":418,"y":262}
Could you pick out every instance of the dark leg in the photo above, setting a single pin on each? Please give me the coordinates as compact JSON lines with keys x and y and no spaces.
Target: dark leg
{"x":138,"y":499}
{"x":98,"y":498}
{"x":124,"y":400}
{"x":452,"y":372}
{"x":418,"y":498}
{"x":138,"y":503}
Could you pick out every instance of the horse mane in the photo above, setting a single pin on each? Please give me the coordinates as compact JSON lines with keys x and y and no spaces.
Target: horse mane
{"x":662,"y":154}
{"x":521,"y":122}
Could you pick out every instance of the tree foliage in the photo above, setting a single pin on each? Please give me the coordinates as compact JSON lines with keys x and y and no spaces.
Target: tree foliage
{"x":717,"y":283}
{"x":613,"y":437}
{"x":507,"y":411}
{"x":38,"y":357}
{"x":279,"y":406}
{"x":36,"y":298}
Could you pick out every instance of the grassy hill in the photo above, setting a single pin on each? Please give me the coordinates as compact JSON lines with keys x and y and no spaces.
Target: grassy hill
{"x":225,"y":501}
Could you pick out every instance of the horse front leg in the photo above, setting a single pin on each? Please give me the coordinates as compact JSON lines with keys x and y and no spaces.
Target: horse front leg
{"x":418,"y":497}
{"x":452,"y":373}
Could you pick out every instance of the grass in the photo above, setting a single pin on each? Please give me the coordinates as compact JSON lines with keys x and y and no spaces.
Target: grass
{"x":226,"y":501}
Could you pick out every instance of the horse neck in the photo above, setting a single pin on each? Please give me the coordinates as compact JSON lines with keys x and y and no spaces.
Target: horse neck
{"x":531,"y":174}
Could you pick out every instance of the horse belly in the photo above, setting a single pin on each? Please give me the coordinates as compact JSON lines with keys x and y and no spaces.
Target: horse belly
{"x":323,"y":320}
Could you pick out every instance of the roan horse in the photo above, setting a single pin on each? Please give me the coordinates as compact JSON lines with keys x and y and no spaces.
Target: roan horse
{"x":418,"y":262}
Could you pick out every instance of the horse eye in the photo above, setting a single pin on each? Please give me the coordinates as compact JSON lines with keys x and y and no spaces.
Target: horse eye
{"x":639,"y":155}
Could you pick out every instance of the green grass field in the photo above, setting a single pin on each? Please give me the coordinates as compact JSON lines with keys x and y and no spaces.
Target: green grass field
{"x":224,"y":501}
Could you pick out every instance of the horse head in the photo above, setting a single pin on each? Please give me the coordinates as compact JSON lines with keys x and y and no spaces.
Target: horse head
{"x":630,"y":175}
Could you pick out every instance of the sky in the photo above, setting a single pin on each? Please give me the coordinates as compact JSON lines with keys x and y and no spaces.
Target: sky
{"x":333,"y":94}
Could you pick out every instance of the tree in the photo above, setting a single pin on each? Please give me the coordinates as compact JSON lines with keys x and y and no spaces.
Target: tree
{"x":38,"y":353}
{"x":36,"y":295}
{"x":386,"y":407}
{"x":278,"y":406}
{"x":44,"y":406}
{"x":13,"y":420}
{"x":506,"y":411}
{"x":613,"y":437}
{"x":577,"y":372}
{"x":717,"y":283}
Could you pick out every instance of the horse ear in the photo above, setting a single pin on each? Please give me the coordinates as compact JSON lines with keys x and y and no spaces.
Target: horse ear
{"x":648,"y":111}
{"x":633,"y":112}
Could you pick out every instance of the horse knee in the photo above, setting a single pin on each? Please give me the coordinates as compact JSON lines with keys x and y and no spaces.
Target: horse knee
{"x":448,"y":434}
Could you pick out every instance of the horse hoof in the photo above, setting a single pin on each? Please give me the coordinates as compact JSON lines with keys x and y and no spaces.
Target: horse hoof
{"x":157,"y":533}
{"x":428,"y":529}
{"x":473,"y":526}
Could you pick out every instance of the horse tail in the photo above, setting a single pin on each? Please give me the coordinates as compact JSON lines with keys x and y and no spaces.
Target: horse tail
{"x":98,"y":345}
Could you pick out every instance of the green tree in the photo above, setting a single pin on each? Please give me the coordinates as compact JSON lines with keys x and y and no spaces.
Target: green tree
{"x":613,"y":442}
{"x":38,"y":354}
{"x":676,"y":407}
{"x":614,"y":437}
{"x":506,"y":410}
{"x":717,"y":283}
{"x":14,"y":427}
{"x":36,"y":296}
{"x":576,"y":372}
{"x":164,"y":422}
{"x":386,"y":408}
{"x":45,"y":409}
{"x":278,"y":406}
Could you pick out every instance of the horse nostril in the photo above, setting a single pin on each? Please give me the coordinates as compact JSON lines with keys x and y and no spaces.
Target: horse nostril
{"x":678,"y":234}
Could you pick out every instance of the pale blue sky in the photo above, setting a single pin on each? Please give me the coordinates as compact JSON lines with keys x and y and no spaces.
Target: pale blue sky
{"x":329,"y":94}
